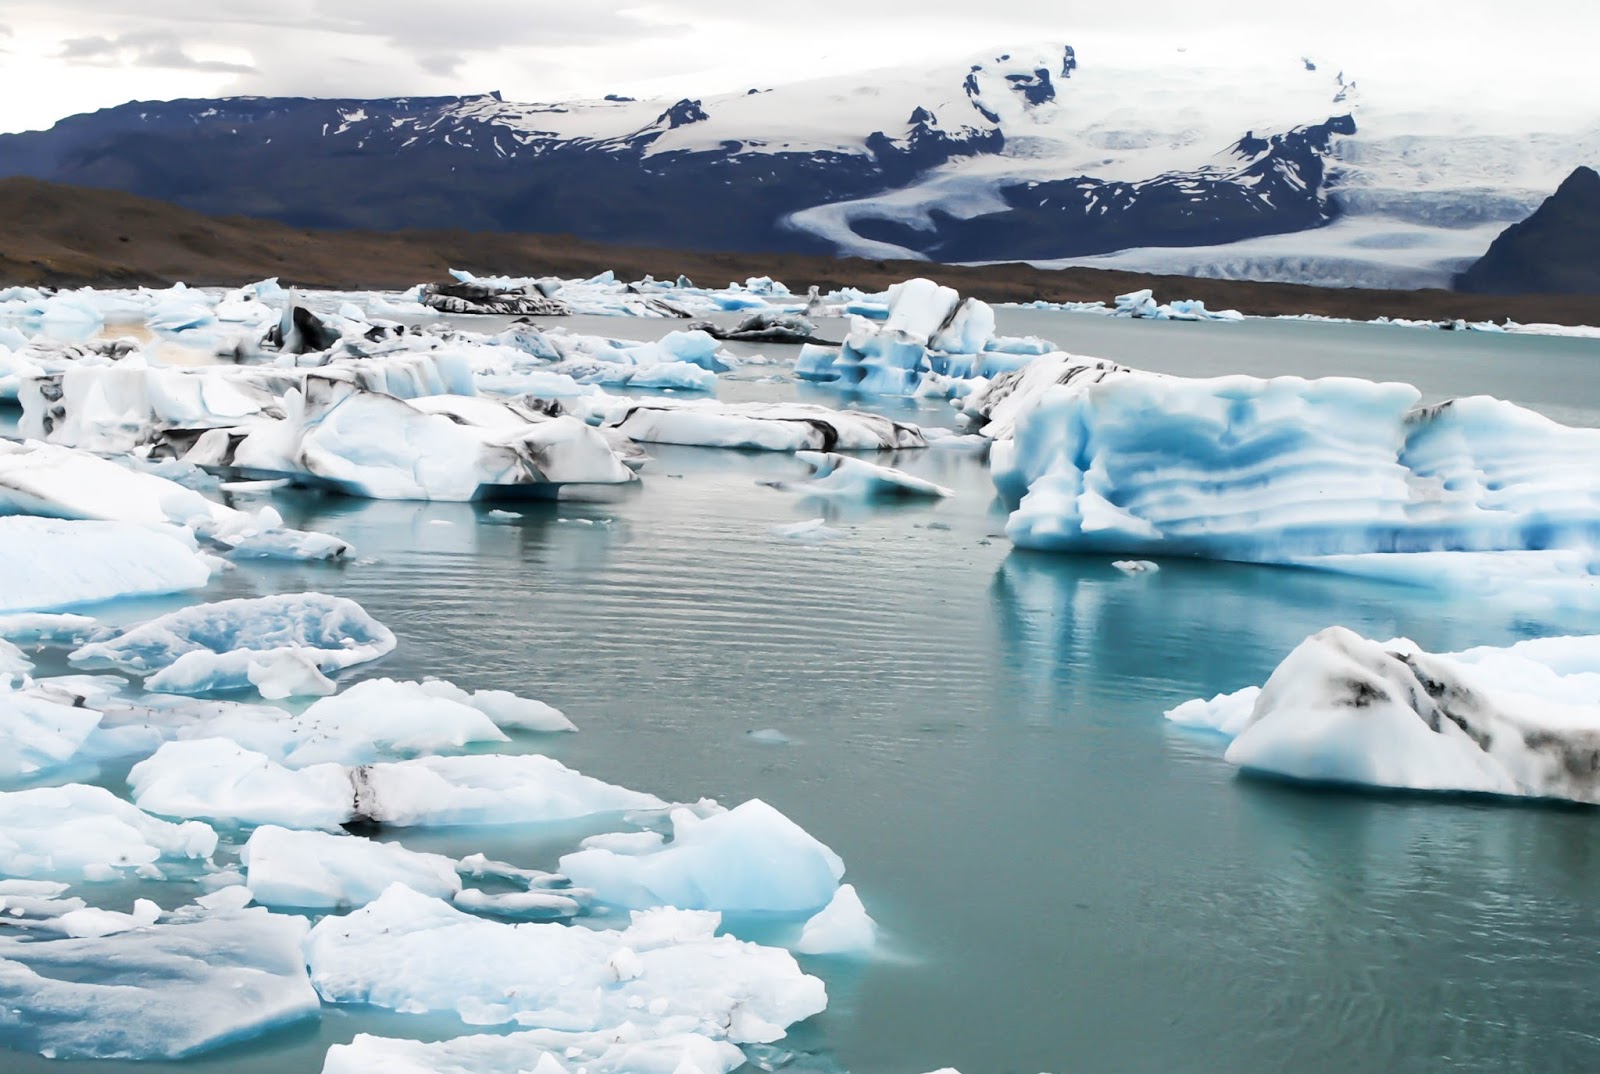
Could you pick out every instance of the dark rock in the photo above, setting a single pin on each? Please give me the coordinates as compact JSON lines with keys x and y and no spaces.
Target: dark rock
{"x":1555,"y":251}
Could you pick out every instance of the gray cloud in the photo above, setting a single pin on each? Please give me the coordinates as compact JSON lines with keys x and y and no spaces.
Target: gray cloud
{"x":143,"y":48}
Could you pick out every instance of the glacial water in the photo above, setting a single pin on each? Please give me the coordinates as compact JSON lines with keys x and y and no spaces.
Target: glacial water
{"x":1066,"y":882}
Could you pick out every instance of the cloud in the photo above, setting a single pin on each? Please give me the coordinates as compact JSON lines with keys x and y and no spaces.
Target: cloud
{"x":143,"y":48}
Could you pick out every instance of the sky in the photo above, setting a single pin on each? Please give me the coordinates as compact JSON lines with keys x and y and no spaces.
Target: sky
{"x":61,"y":57}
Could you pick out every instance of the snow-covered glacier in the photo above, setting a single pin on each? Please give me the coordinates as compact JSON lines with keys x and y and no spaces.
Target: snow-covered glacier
{"x":1340,"y":708}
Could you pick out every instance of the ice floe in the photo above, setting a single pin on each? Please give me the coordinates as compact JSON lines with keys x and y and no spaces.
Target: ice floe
{"x":89,"y":833}
{"x":1520,"y":721}
{"x":56,"y":563}
{"x":668,"y":973}
{"x":316,"y":870}
{"x":750,"y":858}
{"x":766,"y":427}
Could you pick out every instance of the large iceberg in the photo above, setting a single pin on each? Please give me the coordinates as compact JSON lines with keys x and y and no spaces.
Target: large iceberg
{"x":232,"y":644}
{"x":55,"y":563}
{"x":88,"y":832}
{"x":667,"y":974}
{"x":220,"y":780}
{"x":365,"y":443}
{"x":164,"y":991}
{"x":1105,"y":459}
{"x":751,"y":859}
{"x":1342,"y":709}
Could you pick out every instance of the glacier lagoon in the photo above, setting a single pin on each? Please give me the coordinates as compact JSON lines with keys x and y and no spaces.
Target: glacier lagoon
{"x":1065,"y":881}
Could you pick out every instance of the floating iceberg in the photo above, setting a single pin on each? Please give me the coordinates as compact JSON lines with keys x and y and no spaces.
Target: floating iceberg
{"x":624,"y":1050}
{"x":766,"y":427}
{"x":40,"y":729}
{"x":1113,"y":460}
{"x":163,"y":991}
{"x":751,"y":859}
{"x":370,"y":444}
{"x":55,"y":563}
{"x":1341,"y":709}
{"x":222,"y":646}
{"x":220,"y":780}
{"x":666,"y":974}
{"x":839,"y":475}
{"x":89,"y":832}
{"x":840,"y":928}
{"x":316,"y":870}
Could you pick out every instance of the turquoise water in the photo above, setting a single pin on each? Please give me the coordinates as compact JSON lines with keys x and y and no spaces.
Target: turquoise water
{"x":1066,"y":883}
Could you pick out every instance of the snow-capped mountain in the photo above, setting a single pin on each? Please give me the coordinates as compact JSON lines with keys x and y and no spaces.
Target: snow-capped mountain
{"x":1279,"y":171}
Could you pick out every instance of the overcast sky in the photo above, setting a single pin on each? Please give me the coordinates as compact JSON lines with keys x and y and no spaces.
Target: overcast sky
{"x":59,"y":57}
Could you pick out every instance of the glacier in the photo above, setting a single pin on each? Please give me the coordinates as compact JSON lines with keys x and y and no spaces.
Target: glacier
{"x":1519,"y":721}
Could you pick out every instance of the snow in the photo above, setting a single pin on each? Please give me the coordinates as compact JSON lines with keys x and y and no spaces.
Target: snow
{"x":316,"y":870}
{"x":220,"y":780}
{"x":210,"y":646}
{"x":623,"y":1050}
{"x":751,"y":859}
{"x":85,"y":831}
{"x":1341,"y":709}
{"x":162,"y":991}
{"x":53,"y":563}
{"x":766,"y":427}
{"x":666,"y":974}
{"x":840,"y":928}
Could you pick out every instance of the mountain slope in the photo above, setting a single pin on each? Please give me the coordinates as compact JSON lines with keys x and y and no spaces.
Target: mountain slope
{"x":1036,"y":154}
{"x":1554,"y":251}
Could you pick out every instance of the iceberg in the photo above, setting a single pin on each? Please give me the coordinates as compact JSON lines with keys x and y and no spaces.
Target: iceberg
{"x":624,"y":1050}
{"x":316,"y":870}
{"x":163,"y":991}
{"x":89,"y":833}
{"x":55,"y":563}
{"x":211,"y":646}
{"x":1105,"y":459}
{"x":1341,"y":709}
{"x":40,"y":729}
{"x":668,"y":973}
{"x":839,"y":475}
{"x":840,"y":928}
{"x":749,"y":859}
{"x":766,"y":427}
{"x":220,"y":780}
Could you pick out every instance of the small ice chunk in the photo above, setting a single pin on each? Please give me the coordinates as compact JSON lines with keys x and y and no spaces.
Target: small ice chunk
{"x":840,"y":928}
{"x":227,"y":900}
{"x":316,"y":870}
{"x":523,"y":905}
{"x":812,"y":530}
{"x":59,"y":831}
{"x":839,"y":475}
{"x":93,"y":922}
{"x":1136,"y":566}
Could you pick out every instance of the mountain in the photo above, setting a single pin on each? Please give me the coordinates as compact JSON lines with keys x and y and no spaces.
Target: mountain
{"x":1272,"y":170}
{"x":1555,"y":251}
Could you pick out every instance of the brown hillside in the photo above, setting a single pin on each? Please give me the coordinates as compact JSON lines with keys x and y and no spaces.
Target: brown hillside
{"x":62,"y":235}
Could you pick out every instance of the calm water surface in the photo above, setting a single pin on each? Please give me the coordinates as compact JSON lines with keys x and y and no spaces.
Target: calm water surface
{"x":1066,"y":883}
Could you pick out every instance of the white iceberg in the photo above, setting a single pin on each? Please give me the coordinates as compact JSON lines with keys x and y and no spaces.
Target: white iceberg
{"x":56,"y":563}
{"x":666,"y":974}
{"x":624,"y":1050}
{"x":90,"y":833}
{"x":40,"y":729}
{"x":1520,"y":721}
{"x":163,"y":991}
{"x":840,"y":928}
{"x":316,"y":870}
{"x":749,"y":859}
{"x":210,"y":646}
{"x":218,"y":779}
{"x":766,"y":427}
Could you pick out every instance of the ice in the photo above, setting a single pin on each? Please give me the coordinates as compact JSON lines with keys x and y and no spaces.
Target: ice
{"x":839,"y":475}
{"x":46,"y":626}
{"x":440,"y":448}
{"x":810,"y":531}
{"x":750,"y":858}
{"x":766,"y":427}
{"x":1114,"y":460}
{"x":93,"y":922}
{"x":335,"y":632}
{"x":623,"y":1050}
{"x":54,"y":563}
{"x":57,"y":482}
{"x":667,"y":974}
{"x":1136,"y":566}
{"x":163,"y":991}
{"x":273,"y":673}
{"x":1340,"y":709}
{"x":40,"y":729}
{"x":523,"y":905}
{"x":840,"y":928}
{"x":220,"y":780}
{"x":80,"y":831}
{"x":316,"y":870}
